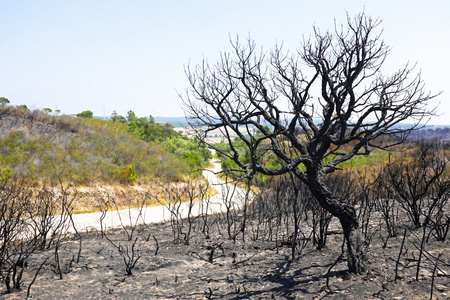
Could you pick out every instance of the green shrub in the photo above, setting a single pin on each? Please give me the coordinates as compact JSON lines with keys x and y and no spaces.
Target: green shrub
{"x":5,"y":173}
{"x":128,"y":173}
{"x":86,"y":114}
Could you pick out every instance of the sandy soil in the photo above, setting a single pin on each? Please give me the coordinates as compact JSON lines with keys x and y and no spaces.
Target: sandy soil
{"x":214,"y":267}
{"x":159,"y":213}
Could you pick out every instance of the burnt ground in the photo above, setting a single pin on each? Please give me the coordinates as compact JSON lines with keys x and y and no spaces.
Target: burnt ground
{"x":216,"y":267}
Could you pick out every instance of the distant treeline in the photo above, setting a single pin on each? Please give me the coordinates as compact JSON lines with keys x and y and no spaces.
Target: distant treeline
{"x":438,"y":133}
{"x":175,"y":121}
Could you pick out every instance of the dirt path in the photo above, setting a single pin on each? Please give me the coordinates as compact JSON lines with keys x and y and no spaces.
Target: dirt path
{"x":156,"y":214}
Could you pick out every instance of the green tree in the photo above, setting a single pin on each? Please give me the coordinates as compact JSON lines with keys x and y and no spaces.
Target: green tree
{"x":148,"y":130}
{"x":118,"y":118}
{"x":3,"y":101}
{"x":23,"y":107}
{"x":190,"y":151}
{"x":86,"y":114}
{"x":114,"y":116}
{"x":131,"y":117}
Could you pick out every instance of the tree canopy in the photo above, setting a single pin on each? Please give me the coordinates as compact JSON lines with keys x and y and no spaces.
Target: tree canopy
{"x":86,"y":114}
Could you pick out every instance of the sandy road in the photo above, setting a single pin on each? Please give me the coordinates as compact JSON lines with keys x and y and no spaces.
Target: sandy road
{"x":227,"y":193}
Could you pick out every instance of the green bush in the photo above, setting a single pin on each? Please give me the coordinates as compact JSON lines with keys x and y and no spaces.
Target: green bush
{"x":127,"y":174}
{"x":5,"y":173}
{"x":86,"y":114}
{"x":189,"y":151}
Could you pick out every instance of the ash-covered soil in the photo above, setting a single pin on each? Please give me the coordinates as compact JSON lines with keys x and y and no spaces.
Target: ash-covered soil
{"x":215,"y":267}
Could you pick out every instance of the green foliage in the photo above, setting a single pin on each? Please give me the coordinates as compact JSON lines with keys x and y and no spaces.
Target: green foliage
{"x":83,"y":151}
{"x":23,"y":107}
{"x":50,"y":149}
{"x":127,"y":174}
{"x":359,"y":161}
{"x":190,"y":151}
{"x":228,"y":165}
{"x":131,"y":117}
{"x":224,"y":151}
{"x":271,"y":161}
{"x":47,"y":110}
{"x":3,"y":101}
{"x":5,"y":173}
{"x":86,"y":114}
{"x":115,"y":117}
{"x":148,"y":130}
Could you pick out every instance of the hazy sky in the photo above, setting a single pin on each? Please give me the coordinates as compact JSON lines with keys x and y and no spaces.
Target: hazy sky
{"x":130,"y":55}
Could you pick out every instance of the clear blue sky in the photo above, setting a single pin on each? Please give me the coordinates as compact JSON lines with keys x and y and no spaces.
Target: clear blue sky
{"x":130,"y":55}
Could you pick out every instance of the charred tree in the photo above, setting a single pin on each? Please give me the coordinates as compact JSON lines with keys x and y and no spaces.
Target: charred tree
{"x":312,"y":110}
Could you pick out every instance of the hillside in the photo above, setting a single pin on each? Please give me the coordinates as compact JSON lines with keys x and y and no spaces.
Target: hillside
{"x":88,"y":154}
{"x":47,"y":149}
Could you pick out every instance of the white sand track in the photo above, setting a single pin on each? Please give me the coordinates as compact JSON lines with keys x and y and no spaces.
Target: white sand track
{"x":227,"y":193}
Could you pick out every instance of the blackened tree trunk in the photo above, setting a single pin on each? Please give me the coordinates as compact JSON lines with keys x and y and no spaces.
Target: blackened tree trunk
{"x":356,"y":259}
{"x":347,"y":216}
